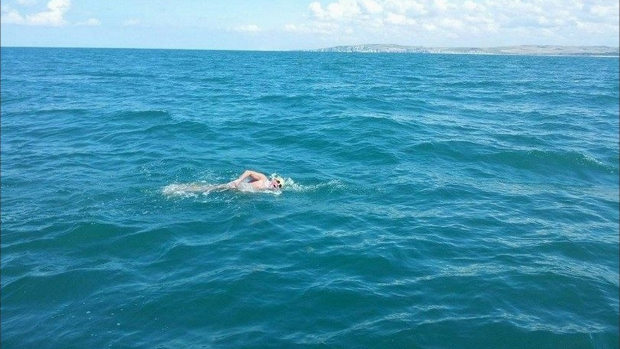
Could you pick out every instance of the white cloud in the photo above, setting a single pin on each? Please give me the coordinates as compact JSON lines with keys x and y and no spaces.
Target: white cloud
{"x":524,"y":20}
{"x":91,"y":22}
{"x":451,"y":23}
{"x":405,"y":7}
{"x":131,"y":22}
{"x":317,"y":10}
{"x":473,"y":6}
{"x":397,"y":19}
{"x":371,"y":6}
{"x":441,"y":5}
{"x":429,"y":27}
{"x":339,"y":10}
{"x":313,"y":28}
{"x":605,"y":10}
{"x":248,"y":28}
{"x":27,"y":2}
{"x":11,"y":16}
{"x":54,"y":16}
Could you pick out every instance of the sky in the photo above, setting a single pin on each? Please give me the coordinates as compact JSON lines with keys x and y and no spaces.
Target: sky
{"x":307,"y":24}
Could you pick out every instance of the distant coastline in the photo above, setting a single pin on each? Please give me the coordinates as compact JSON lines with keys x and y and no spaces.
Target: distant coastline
{"x":535,"y":50}
{"x":525,"y":50}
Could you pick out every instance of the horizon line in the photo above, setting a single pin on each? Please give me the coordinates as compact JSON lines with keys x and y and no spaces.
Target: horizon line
{"x":304,"y":49}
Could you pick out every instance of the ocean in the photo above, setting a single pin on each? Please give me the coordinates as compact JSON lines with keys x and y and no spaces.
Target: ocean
{"x":430,"y":201}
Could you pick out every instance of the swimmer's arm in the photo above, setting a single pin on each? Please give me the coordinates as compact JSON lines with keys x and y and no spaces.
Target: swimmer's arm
{"x":257,"y":176}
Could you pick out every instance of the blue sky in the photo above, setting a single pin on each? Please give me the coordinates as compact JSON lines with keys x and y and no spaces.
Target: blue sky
{"x":306,"y":24}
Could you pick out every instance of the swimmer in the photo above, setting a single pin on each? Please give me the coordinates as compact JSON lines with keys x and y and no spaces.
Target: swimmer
{"x":248,"y":181}
{"x":257,"y":181}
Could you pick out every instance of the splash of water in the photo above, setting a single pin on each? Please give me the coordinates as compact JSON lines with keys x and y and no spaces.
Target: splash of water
{"x":196,"y":189}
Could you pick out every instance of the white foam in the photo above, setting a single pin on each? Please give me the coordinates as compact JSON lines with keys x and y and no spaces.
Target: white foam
{"x":290,"y":185}
{"x":195,"y":189}
{"x":189,"y":190}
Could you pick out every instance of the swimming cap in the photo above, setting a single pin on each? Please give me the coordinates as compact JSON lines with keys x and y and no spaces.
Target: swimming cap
{"x":279,"y":180}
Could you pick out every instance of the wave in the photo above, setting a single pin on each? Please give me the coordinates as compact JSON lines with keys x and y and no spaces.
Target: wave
{"x":552,"y":160}
{"x":525,"y":158}
{"x":158,"y":114}
{"x":279,"y":98}
{"x":114,"y":75}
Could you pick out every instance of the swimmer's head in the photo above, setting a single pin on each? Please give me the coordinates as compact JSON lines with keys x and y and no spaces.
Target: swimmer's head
{"x":277,"y":182}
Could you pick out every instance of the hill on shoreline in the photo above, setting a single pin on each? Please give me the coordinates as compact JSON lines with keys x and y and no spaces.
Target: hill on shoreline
{"x":540,"y":50}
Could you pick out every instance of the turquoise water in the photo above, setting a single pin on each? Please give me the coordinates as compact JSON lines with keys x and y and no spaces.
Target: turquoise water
{"x":431,"y":201}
